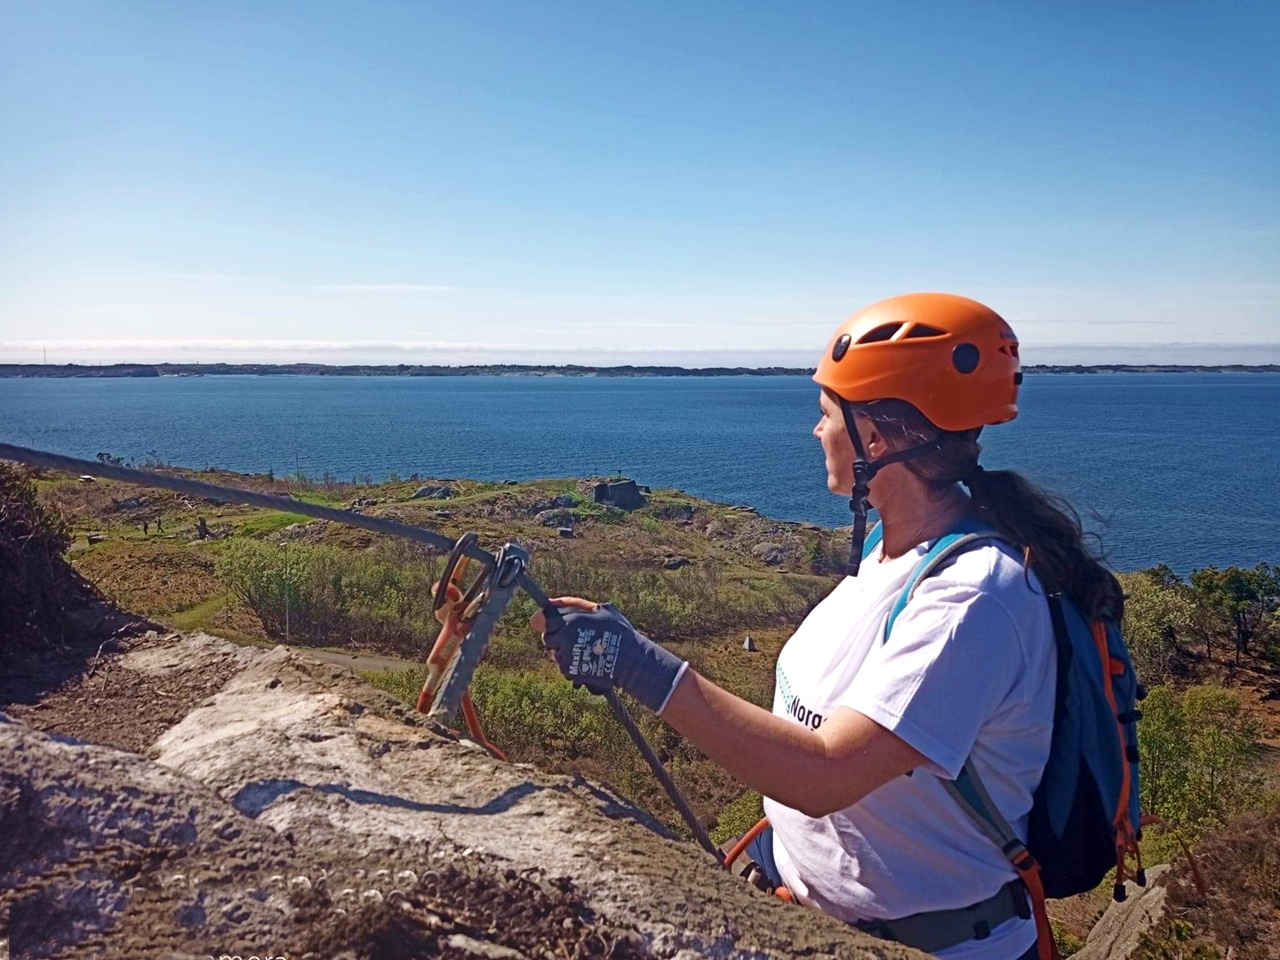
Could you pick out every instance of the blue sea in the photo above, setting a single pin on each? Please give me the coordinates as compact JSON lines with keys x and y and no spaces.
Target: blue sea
{"x":1180,"y":468}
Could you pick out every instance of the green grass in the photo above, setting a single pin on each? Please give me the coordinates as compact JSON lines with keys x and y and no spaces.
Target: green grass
{"x":738,"y":817}
{"x":401,"y":684}
{"x":268,"y":522}
{"x":320,"y":498}
{"x":199,"y":616}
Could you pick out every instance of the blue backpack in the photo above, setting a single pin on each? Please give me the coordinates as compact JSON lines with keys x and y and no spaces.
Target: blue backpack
{"x":1084,"y":815}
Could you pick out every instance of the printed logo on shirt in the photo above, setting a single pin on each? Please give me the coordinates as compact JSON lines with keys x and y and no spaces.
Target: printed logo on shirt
{"x":794,"y":707}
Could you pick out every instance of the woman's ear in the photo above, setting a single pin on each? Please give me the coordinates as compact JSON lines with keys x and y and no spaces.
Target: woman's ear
{"x":874,"y":442}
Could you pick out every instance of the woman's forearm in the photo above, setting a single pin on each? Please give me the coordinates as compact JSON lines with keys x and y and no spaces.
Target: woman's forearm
{"x":814,"y":771}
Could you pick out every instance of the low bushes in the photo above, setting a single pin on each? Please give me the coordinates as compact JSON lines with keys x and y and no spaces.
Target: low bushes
{"x":1199,"y":750}
{"x":1240,"y":916}
{"x":693,"y":602}
{"x":537,"y":716}
{"x":322,"y":595}
{"x":35,"y":580}
{"x":381,"y":597}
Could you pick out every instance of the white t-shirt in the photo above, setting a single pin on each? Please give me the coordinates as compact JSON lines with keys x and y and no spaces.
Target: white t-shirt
{"x":969,"y":670}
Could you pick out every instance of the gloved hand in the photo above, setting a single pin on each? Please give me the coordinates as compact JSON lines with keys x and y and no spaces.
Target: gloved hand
{"x":597,"y":647}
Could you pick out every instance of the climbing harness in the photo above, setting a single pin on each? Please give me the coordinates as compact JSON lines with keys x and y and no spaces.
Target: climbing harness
{"x":467,"y":617}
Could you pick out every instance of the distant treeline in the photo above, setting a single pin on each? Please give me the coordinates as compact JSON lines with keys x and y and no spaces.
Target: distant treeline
{"x":517,"y":370}
{"x":365,"y":370}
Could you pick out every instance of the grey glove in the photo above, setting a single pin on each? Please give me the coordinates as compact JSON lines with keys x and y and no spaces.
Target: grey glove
{"x":601,"y":650}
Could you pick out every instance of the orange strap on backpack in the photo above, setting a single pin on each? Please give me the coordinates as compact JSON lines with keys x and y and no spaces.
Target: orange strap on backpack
{"x":1029,"y":871}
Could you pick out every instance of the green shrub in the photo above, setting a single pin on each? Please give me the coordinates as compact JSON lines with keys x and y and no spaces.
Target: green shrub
{"x":695,"y":601}
{"x":323,"y":595}
{"x":535,"y":715}
{"x":1157,"y":615}
{"x":35,"y":581}
{"x":401,"y":684}
{"x":1199,"y":751}
{"x":738,"y":817}
{"x":1068,"y":943}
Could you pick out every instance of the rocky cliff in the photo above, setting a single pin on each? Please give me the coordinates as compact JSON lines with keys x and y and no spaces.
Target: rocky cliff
{"x":185,"y":797}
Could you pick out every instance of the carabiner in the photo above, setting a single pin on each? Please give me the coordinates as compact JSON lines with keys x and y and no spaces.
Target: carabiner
{"x":454,"y":569}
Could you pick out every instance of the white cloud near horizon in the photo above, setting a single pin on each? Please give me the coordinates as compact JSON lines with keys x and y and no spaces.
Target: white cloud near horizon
{"x":498,"y":350}
{"x":324,"y":346}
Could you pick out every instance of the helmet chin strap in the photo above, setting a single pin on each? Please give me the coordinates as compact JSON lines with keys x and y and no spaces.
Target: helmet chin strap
{"x":863,"y":471}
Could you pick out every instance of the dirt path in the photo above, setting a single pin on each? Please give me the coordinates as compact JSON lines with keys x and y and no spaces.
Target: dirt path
{"x":362,"y":662}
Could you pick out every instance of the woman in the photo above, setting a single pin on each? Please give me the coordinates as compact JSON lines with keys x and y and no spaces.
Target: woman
{"x":865,"y":729}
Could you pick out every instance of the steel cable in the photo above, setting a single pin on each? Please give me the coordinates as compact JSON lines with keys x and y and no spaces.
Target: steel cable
{"x":393,"y":528}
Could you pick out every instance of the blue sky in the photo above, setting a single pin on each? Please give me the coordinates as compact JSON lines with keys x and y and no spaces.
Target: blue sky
{"x":694,"y":183}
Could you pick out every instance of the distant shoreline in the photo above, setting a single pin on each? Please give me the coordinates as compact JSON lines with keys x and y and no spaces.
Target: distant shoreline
{"x":150,"y":370}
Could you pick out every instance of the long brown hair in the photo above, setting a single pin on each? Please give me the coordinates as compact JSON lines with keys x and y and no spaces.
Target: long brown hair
{"x":1043,"y":524}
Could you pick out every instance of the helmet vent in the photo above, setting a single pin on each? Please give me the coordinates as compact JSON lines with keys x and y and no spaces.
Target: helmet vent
{"x":841,"y":347}
{"x":922,"y":330}
{"x":1011,"y":349}
{"x":880,"y":334}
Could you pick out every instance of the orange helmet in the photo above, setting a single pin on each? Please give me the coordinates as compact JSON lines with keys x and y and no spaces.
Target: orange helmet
{"x":952,"y":358}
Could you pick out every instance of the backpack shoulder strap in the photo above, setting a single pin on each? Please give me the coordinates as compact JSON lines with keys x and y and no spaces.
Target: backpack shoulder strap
{"x":966,"y":533}
{"x":971,"y":794}
{"x":967,"y":789}
{"x":873,"y":540}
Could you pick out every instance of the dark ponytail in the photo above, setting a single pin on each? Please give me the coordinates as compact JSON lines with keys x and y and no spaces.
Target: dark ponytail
{"x":1043,"y":524}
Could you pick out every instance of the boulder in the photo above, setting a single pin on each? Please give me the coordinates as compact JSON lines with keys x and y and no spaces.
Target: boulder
{"x":713,"y":529}
{"x":297,"y":800}
{"x":304,"y":531}
{"x":1116,"y":935}
{"x":771,"y":553}
{"x":676,"y":511}
{"x":557,"y":518}
{"x":565,"y":533}
{"x":561,"y":502}
{"x":623,"y":494}
{"x":433,"y":492}
{"x":676,"y":563}
{"x":95,"y":538}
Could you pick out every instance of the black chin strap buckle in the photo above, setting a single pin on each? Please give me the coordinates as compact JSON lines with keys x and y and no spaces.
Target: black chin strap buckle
{"x":858,"y":507}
